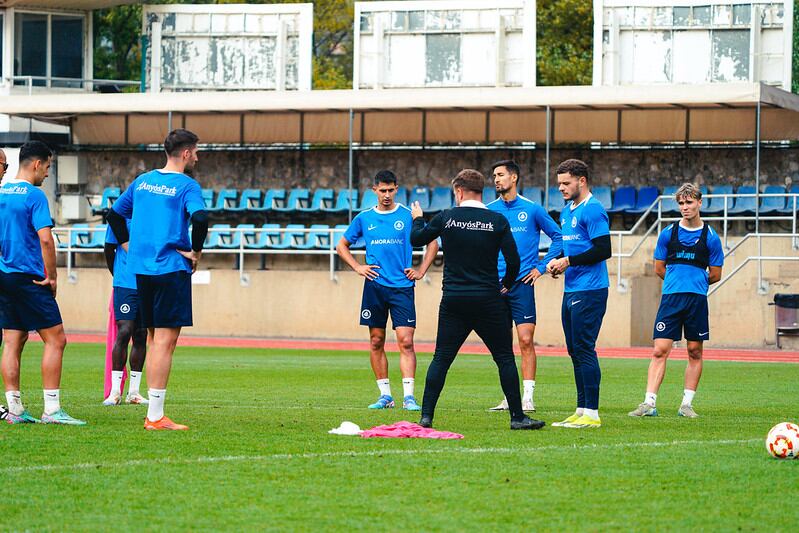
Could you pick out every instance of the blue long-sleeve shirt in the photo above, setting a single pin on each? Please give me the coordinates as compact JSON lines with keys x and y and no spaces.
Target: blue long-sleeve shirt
{"x":527,"y":220}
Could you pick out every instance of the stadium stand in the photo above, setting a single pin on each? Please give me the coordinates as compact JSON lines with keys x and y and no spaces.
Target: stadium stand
{"x":534,"y":194}
{"x":623,"y":200}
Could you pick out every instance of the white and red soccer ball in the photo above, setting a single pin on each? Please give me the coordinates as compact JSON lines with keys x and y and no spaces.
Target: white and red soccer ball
{"x":782,"y":441}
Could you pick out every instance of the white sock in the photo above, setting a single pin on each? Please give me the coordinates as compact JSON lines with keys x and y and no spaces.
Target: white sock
{"x":407,"y":386}
{"x":688,"y":396}
{"x":14,"y":401}
{"x":52,"y":401}
{"x":579,"y":411}
{"x":116,"y":381}
{"x":591,"y":413}
{"x":155,"y":411}
{"x":135,"y":382}
{"x":529,"y":389}
{"x":651,"y":398}
{"x":385,"y":388}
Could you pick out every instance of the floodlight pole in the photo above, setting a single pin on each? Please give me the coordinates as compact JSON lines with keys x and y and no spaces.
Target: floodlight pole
{"x":757,"y":168}
{"x":546,"y":180}
{"x":349,"y":173}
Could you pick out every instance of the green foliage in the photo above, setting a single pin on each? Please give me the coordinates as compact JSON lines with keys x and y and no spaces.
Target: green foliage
{"x":564,"y":38}
{"x":117,"y":43}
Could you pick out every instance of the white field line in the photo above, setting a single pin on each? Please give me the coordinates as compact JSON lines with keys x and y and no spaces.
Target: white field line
{"x":356,"y":454}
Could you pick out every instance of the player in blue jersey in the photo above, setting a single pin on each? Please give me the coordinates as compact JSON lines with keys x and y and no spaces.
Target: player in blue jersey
{"x":28,"y":283}
{"x":688,"y":257}
{"x":388,"y":285}
{"x":129,"y":325}
{"x":586,"y":246}
{"x":527,"y":220}
{"x":160,"y":205}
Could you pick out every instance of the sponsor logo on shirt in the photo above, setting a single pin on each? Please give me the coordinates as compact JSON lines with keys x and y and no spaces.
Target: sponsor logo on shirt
{"x":690,"y":256}
{"x":387,"y":241}
{"x":517,"y":229}
{"x":371,"y":227}
{"x":399,"y":225}
{"x":163,"y":190}
{"x":471,"y":225}
{"x":572,"y":237}
{"x":16,"y":189}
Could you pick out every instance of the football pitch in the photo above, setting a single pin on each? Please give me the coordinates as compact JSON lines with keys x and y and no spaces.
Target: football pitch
{"x":258,"y":455}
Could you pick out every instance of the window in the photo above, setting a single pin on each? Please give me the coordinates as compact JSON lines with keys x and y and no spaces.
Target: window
{"x":63,"y":59}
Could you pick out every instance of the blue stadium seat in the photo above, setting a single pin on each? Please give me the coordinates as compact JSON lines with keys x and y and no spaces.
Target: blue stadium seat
{"x":225,"y":199}
{"x":772,"y":205}
{"x":110,"y":195}
{"x":534,"y":194}
{"x":715,"y":206}
{"x":248,"y":235}
{"x":489,"y":194}
{"x":369,"y":200}
{"x":96,"y":237}
{"x":646,"y":197}
{"x":318,"y":238}
{"x":216,"y":235}
{"x":421,"y":195}
{"x":556,"y":202}
{"x":208,"y":198}
{"x":668,"y":206}
{"x":79,"y":235}
{"x":442,"y":199}
{"x":623,"y":200}
{"x":344,"y":199}
{"x":338,"y":234}
{"x":790,"y":206}
{"x":322,"y":199}
{"x":746,"y":205}
{"x":272,"y":198}
{"x":602,"y":194}
{"x":250,"y":198}
{"x":265,"y":238}
{"x":232,"y":240}
{"x":402,"y":196}
{"x":280,"y":240}
{"x":297,"y":199}
{"x":295,"y":236}
{"x":545,"y":242}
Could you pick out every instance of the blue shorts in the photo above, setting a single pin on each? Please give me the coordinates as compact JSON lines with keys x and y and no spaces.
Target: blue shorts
{"x":165,"y":300}
{"x":521,"y":301}
{"x":25,"y":306}
{"x":126,"y":304}
{"x":378,"y":300}
{"x":682,"y":311}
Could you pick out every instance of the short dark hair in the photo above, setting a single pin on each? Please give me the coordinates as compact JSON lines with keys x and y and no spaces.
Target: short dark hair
{"x":575,"y":167}
{"x":469,"y":179}
{"x":385,"y":176}
{"x":178,"y":140}
{"x":34,"y":151}
{"x":510,"y":165}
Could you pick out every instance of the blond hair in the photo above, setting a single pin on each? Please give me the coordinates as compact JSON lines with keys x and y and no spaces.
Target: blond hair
{"x":688,"y":190}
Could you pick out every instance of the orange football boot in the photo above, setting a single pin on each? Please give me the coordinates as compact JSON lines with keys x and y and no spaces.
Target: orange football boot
{"x":163,"y":423}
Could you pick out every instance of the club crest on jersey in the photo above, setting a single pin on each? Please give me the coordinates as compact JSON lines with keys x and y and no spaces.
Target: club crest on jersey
{"x":124,"y":309}
{"x":574,"y":222}
{"x":660,"y":326}
{"x":399,"y":225}
{"x":366,"y":314}
{"x":522,"y":216}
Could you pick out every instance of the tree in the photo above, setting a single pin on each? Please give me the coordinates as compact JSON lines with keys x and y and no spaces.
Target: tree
{"x":565,"y":40}
{"x":117,"y":43}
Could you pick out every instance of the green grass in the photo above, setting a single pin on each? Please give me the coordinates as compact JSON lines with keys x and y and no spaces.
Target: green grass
{"x":258,"y":455}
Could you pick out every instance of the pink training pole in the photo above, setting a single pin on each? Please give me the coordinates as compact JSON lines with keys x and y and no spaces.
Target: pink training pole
{"x":110,"y":339}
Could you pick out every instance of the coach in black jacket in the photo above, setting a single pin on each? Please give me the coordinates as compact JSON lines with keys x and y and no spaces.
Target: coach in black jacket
{"x":472,"y":237}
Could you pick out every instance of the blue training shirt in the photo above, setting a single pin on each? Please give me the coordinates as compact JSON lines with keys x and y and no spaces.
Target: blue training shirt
{"x":580,"y":224}
{"x":527,"y":220}
{"x":686,"y":278}
{"x":122,"y":277}
{"x":159,"y":205}
{"x":23,"y":212}
{"x":387,"y":235}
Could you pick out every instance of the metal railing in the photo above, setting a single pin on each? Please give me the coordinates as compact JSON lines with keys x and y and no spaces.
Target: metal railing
{"x":247,"y":239}
{"x":50,"y":79}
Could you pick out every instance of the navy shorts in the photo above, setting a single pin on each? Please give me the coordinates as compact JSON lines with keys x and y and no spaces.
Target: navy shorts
{"x":165,"y":300}
{"x":126,"y":304}
{"x":378,"y":300}
{"x":521,"y":301}
{"x":682,"y":311}
{"x":25,"y":306}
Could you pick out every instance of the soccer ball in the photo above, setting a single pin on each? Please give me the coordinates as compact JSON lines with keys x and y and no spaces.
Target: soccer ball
{"x":782,"y":441}
{"x":3,"y":412}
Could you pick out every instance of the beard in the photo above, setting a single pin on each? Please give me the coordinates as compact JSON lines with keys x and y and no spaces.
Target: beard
{"x":502,"y":190}
{"x":189,"y":170}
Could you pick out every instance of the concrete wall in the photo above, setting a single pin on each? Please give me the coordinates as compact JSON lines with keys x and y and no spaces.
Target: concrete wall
{"x":328,"y":168}
{"x":307,"y":304}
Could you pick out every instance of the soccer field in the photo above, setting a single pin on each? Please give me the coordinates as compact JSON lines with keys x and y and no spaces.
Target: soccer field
{"x":258,"y":455}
